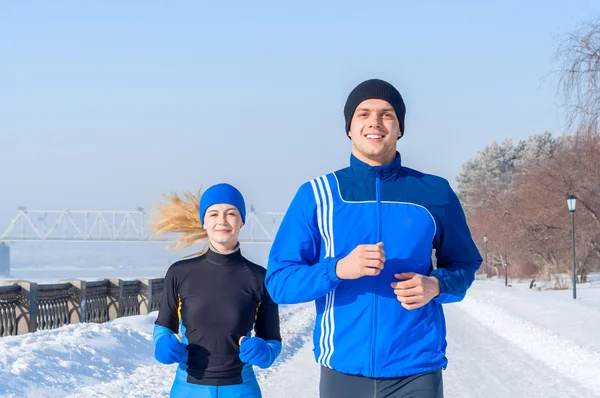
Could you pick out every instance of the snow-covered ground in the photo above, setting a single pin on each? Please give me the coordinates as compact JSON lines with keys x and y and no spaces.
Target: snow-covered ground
{"x":502,"y":342}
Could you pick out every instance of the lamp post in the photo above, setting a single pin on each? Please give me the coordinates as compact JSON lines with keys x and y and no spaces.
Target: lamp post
{"x":571,"y":203}
{"x":485,"y":242}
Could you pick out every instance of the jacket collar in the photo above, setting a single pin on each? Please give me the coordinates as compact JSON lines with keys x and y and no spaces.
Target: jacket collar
{"x":385,"y":172}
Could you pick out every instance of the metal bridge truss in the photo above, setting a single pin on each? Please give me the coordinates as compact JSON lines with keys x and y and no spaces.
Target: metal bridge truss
{"x":113,"y":226}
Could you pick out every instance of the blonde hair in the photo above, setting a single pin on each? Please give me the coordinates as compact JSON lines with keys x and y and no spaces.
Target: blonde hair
{"x":181,"y":215}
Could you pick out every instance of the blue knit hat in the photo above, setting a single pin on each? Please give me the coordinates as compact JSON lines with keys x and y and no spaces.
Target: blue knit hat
{"x":222,"y":193}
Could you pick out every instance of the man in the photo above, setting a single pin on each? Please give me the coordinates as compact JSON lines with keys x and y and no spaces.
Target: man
{"x":359,"y":242}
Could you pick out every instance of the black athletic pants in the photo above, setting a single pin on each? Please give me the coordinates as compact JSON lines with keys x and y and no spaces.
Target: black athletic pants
{"x":334,"y":384}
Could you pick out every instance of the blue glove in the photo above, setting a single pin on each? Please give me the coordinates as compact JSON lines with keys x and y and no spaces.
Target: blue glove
{"x":258,"y":352}
{"x":169,"y":350}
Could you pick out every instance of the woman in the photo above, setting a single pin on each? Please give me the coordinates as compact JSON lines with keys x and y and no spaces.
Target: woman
{"x":215,"y":298}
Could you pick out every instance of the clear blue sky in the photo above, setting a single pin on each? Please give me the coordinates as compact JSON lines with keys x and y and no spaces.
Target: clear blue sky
{"x":106,"y":105}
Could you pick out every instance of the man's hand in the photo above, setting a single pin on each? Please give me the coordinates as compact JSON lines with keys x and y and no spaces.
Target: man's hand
{"x":363,"y":260}
{"x":415,"y":290}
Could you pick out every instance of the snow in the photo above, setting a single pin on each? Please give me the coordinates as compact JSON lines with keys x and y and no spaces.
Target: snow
{"x":502,"y":342}
{"x":508,"y":342}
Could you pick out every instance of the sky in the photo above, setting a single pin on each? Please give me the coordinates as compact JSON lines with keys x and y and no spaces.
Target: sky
{"x":107,"y":105}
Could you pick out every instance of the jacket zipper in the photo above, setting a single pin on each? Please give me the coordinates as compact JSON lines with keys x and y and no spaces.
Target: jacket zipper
{"x":378,"y":199}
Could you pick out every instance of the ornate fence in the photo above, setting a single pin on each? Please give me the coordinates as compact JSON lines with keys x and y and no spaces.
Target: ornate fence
{"x":96,"y":297}
{"x":9,"y":300}
{"x":53,"y":306}
{"x":26,"y":307}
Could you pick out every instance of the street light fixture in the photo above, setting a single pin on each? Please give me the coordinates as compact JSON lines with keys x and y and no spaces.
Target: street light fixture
{"x":571,"y":204}
{"x":485,"y":242}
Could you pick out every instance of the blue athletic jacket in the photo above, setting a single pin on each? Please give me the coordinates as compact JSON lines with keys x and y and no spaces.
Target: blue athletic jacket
{"x":361,"y":327}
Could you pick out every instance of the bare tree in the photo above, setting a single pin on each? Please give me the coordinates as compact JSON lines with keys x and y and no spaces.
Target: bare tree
{"x":579,"y":74}
{"x":525,"y":217}
{"x":539,"y":219}
{"x":516,"y":194}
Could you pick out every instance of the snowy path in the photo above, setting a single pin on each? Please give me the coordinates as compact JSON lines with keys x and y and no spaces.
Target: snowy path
{"x":502,"y":342}
{"x":488,"y":358}
{"x":483,"y":364}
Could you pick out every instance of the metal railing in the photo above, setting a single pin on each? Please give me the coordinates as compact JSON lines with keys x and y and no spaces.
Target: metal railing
{"x":53,"y":305}
{"x":128,"y":303}
{"x":26,"y":307}
{"x":9,"y":301}
{"x":157,"y":292}
{"x":96,"y":297}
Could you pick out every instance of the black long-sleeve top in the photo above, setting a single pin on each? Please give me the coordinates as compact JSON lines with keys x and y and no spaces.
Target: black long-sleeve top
{"x":216,"y":299}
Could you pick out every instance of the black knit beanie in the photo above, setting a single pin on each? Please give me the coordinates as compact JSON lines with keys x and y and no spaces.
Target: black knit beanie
{"x":374,"y":89}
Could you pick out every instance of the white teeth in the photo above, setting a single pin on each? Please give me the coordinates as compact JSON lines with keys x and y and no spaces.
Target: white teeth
{"x":373,"y":136}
